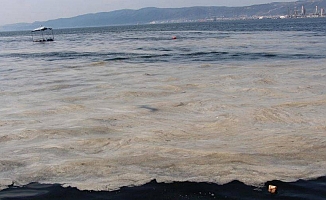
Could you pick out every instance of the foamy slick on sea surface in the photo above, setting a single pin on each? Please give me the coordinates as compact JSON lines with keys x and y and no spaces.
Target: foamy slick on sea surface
{"x":103,"y":108}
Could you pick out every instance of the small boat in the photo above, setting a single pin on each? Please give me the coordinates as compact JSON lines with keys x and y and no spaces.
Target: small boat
{"x":42,"y":34}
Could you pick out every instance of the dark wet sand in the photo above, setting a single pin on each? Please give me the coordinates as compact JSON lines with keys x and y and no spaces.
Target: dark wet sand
{"x":301,"y":189}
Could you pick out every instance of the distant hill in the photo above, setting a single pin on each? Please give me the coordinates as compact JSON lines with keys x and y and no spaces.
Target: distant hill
{"x":168,"y":15}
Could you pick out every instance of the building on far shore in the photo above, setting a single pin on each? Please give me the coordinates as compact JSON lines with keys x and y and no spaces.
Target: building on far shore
{"x":303,"y":14}
{"x":322,"y":12}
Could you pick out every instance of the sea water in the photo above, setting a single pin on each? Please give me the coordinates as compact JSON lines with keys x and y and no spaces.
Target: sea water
{"x":107,"y":107}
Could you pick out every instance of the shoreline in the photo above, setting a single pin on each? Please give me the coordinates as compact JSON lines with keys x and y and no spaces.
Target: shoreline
{"x":301,"y":189}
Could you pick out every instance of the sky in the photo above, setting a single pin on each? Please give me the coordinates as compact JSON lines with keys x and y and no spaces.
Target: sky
{"x":17,"y":11}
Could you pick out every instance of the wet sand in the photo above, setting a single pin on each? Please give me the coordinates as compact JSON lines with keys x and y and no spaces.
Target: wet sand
{"x":311,"y":189}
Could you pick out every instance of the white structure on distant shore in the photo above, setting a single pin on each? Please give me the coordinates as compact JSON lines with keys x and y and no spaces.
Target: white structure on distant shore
{"x":322,"y":12}
{"x":303,"y":11}
{"x":296,"y":14}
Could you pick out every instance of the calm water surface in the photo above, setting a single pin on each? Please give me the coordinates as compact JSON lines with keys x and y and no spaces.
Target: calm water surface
{"x":103,"y":108}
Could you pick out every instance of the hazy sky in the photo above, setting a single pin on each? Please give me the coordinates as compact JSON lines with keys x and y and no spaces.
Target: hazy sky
{"x":15,"y":11}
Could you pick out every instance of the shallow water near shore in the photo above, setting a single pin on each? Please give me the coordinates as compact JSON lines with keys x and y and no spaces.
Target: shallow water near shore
{"x":104,"y":108}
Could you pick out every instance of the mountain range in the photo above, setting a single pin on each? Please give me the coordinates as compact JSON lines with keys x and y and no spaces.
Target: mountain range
{"x":168,"y":15}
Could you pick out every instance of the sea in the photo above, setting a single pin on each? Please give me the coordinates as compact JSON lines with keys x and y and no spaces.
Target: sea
{"x":210,"y":110}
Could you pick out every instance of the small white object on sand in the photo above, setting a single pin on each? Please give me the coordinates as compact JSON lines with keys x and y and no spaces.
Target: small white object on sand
{"x":272,"y":189}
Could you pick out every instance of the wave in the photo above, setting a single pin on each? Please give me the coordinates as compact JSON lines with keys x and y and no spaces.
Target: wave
{"x":163,"y":55}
